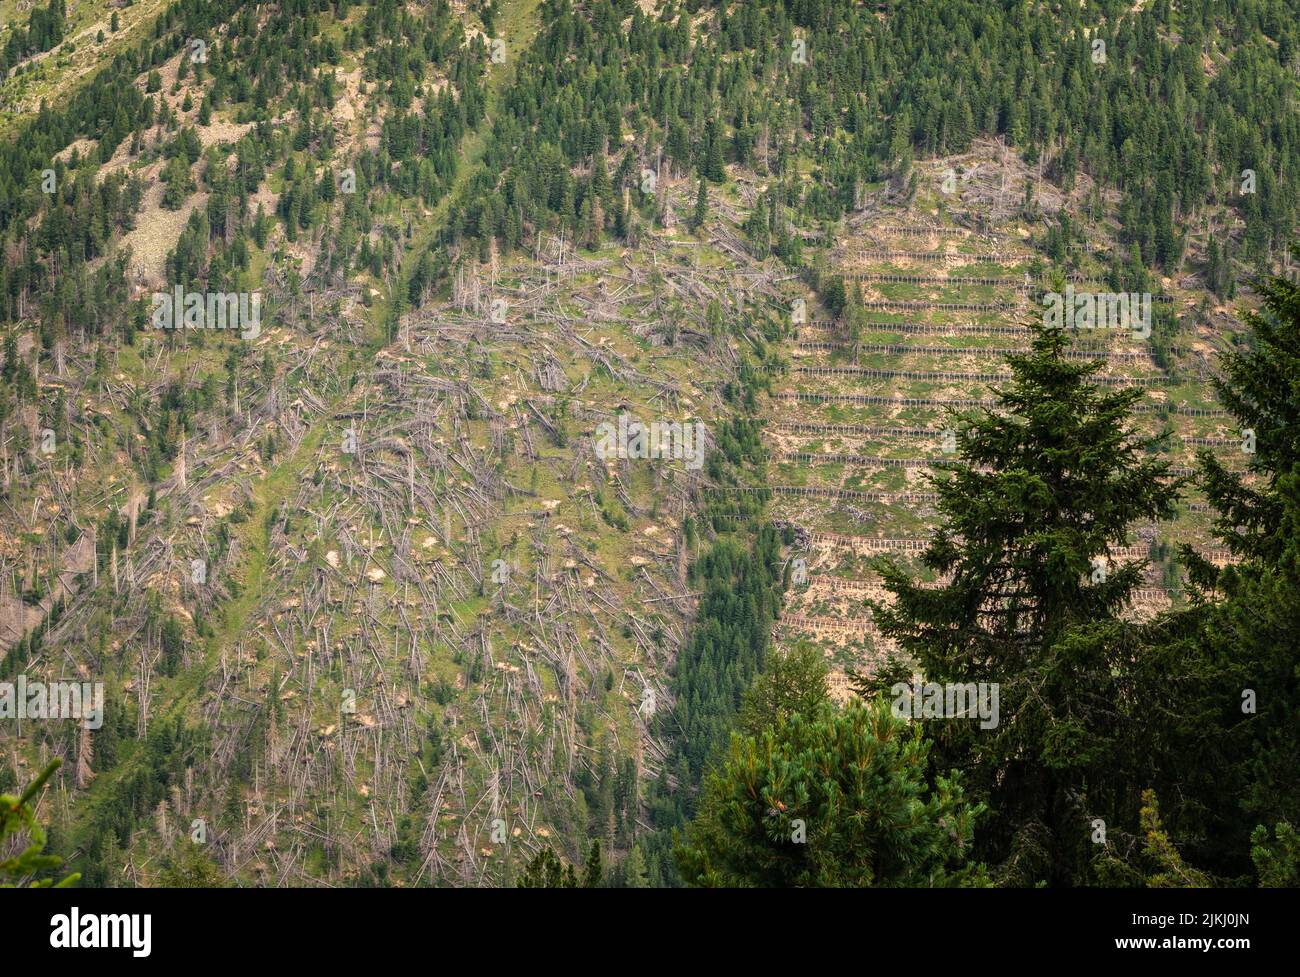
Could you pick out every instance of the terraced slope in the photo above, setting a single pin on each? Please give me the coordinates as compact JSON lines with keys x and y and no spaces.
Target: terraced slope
{"x":867,"y":417}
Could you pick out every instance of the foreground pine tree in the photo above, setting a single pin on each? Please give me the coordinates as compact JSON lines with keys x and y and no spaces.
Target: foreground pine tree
{"x":1260,"y":386}
{"x":1247,"y":626}
{"x":830,"y":798}
{"x":1049,"y":485}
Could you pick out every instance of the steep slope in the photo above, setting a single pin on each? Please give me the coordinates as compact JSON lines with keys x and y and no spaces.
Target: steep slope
{"x":371,"y":598}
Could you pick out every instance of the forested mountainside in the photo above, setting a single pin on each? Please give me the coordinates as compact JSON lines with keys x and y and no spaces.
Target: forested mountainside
{"x":964,"y":339}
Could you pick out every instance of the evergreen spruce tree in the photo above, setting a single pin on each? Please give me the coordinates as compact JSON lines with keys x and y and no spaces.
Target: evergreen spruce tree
{"x":1048,"y":487}
{"x":593,"y":873}
{"x":634,"y":870}
{"x":713,"y":168}
{"x":793,"y":682}
{"x":1245,"y":626}
{"x":701,"y":211}
{"x":1259,"y":386}
{"x":546,"y":871}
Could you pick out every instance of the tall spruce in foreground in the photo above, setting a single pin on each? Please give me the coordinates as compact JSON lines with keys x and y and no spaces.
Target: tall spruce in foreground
{"x":1260,"y":386}
{"x":1255,"y":629}
{"x":1250,"y":631}
{"x":1050,"y":482}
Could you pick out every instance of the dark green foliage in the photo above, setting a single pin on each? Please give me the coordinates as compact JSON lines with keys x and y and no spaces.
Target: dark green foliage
{"x":1259,"y":386}
{"x":45,"y":30}
{"x":793,"y":682}
{"x":834,"y":797}
{"x":190,"y":868}
{"x":730,"y":643}
{"x":593,"y":872}
{"x":1245,"y":625}
{"x":546,"y":871}
{"x":1026,"y":607}
{"x":1277,"y":860}
{"x":701,"y":211}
